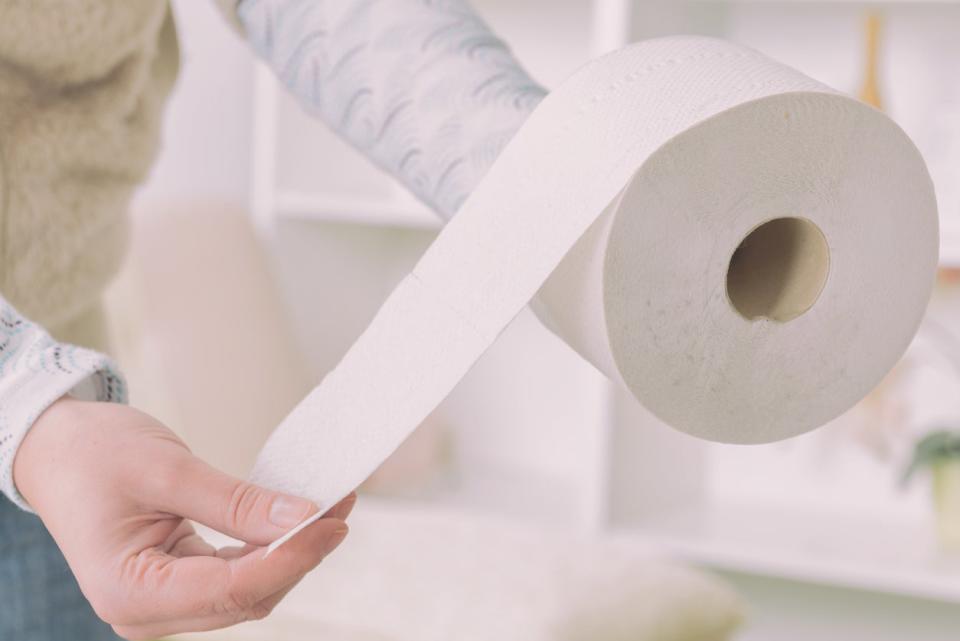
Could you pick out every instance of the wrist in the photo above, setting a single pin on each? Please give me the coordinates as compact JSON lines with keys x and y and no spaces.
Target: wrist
{"x":43,"y":447}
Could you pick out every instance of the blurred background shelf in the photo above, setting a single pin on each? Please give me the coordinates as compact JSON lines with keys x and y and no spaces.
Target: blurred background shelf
{"x":846,"y":549}
{"x":357,"y":210}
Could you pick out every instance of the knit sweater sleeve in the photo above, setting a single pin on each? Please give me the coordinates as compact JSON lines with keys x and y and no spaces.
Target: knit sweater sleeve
{"x":422,"y":87}
{"x":35,"y":371}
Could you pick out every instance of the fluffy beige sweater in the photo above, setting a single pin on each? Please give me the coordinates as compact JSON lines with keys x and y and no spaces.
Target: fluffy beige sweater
{"x":82,"y":87}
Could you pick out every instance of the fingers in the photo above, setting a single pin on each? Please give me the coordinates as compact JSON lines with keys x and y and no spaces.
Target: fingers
{"x":256,"y":577}
{"x":184,"y":541}
{"x":237,"y":508}
{"x":186,"y":585}
{"x":203,"y":624}
{"x":151,"y":631}
{"x":236,"y":551}
{"x":214,"y":591}
{"x":343,"y":509}
{"x":266,"y":606}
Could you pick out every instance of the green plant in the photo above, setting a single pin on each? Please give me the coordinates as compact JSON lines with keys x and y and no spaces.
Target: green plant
{"x":936,"y":447}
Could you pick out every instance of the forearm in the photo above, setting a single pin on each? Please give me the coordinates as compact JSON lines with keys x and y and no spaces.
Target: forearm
{"x":423,"y":88}
{"x":35,"y":371}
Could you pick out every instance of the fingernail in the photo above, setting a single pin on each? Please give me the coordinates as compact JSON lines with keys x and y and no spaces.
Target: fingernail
{"x":336,"y":538}
{"x":288,"y":511}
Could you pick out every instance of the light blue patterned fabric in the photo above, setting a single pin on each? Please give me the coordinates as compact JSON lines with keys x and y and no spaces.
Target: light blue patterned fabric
{"x":422,"y":87}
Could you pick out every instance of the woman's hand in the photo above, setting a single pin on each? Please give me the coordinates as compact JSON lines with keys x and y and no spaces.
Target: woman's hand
{"x":114,"y":487}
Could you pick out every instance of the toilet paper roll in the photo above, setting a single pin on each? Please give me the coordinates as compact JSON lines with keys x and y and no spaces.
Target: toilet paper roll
{"x":744,"y":249}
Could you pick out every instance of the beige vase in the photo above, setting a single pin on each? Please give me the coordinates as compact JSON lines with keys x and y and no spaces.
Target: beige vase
{"x":946,"y":497}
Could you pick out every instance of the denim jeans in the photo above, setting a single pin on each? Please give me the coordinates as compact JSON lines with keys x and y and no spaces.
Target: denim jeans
{"x":39,"y":598}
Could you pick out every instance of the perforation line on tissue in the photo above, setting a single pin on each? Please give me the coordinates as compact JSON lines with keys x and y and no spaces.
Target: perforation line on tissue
{"x":600,"y":147}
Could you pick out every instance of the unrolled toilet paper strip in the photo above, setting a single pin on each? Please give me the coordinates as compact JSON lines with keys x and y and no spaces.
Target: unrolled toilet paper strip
{"x":634,"y":184}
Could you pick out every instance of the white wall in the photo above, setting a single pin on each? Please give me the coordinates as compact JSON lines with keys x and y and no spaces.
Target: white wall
{"x":207,"y":130}
{"x":199,"y":327}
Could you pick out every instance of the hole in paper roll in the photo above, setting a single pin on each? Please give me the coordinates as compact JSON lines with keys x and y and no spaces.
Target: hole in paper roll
{"x":778,"y":271}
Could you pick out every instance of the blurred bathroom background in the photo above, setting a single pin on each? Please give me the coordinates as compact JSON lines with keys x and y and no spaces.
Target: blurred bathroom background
{"x":262,"y":246}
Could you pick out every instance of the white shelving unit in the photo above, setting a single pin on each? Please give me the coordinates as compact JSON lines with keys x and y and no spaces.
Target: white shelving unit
{"x":856,"y":551}
{"x":278,"y":122}
{"x":626,"y":468}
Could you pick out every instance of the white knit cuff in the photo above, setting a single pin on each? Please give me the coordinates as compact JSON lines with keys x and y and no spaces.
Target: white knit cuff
{"x":35,"y":371}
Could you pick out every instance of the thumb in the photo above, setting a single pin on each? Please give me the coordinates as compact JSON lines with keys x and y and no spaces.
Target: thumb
{"x":233,"y":506}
